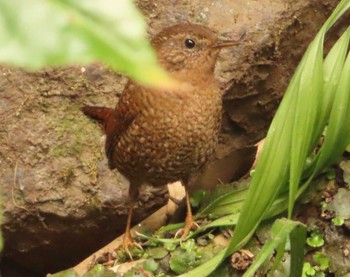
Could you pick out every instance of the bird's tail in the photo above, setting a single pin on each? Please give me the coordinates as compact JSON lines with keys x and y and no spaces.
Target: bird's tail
{"x":100,"y":114}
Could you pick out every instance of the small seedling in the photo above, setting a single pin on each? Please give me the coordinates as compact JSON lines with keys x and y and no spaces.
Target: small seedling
{"x":308,"y":270}
{"x":315,"y":239}
{"x":170,"y":246}
{"x":322,"y":260}
{"x":188,"y":245}
{"x":330,"y":174}
{"x":150,"y":265}
{"x":338,"y":221}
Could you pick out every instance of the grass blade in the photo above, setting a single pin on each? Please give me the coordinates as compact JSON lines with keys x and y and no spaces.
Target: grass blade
{"x":280,"y":230}
{"x":230,"y":202}
{"x":308,"y":90}
{"x":292,"y":136}
{"x":337,"y":136}
{"x":297,"y":242}
{"x":206,"y":268}
{"x":333,"y":66}
{"x":272,"y":170}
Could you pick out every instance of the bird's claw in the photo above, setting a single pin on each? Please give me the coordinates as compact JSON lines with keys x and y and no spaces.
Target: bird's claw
{"x":189,"y":225}
{"x":128,"y":242}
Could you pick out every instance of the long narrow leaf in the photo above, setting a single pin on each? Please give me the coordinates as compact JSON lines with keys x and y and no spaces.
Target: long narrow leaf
{"x":230,"y":202}
{"x":332,"y":68}
{"x":279,"y":255}
{"x":265,"y":184}
{"x":270,"y":174}
{"x":308,"y":90}
{"x":278,"y":206}
{"x":283,"y":158}
{"x":206,"y":268}
{"x":297,"y":242}
{"x":340,"y":9}
{"x":280,"y":230}
{"x":338,"y":130}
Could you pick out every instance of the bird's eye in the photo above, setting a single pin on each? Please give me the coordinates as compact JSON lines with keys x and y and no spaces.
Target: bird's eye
{"x":189,"y":43}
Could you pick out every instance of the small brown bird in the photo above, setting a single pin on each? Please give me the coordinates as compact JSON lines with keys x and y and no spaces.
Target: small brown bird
{"x":160,"y":136}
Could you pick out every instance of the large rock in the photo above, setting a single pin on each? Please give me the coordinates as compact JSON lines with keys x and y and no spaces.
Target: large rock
{"x":60,"y":201}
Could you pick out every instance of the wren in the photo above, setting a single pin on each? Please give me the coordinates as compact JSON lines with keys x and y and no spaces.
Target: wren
{"x":159,"y":136}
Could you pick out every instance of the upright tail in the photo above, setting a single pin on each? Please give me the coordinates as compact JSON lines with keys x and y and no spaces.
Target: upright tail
{"x":101,"y":114}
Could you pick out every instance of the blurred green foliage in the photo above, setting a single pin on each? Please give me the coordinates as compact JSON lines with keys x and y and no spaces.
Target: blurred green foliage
{"x":40,"y":33}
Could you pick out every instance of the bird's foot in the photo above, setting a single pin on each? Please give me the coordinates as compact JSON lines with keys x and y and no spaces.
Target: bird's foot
{"x":190,"y":224}
{"x":128,"y":242}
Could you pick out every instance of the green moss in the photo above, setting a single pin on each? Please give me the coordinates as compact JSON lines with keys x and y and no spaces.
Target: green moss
{"x":59,"y":151}
{"x":66,"y":174}
{"x":73,"y":134}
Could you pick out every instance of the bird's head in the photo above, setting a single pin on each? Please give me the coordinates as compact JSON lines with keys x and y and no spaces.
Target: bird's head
{"x":189,"y":47}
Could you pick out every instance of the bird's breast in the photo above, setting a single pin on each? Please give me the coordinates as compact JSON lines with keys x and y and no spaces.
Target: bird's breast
{"x":169,"y":140}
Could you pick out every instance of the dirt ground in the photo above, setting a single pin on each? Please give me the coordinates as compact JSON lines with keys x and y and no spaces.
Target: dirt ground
{"x":60,"y":201}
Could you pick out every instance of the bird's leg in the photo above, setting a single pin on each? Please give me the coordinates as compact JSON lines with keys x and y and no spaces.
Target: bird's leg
{"x":189,"y":221}
{"x":128,"y":241}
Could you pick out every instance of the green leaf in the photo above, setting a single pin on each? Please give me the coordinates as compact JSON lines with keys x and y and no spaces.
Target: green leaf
{"x":297,"y":242}
{"x":279,"y":255}
{"x":338,"y":221}
{"x":155,"y":239}
{"x":292,"y":136}
{"x":206,"y":268}
{"x":322,"y":260}
{"x":228,"y":203}
{"x":272,"y":171}
{"x":100,"y":271}
{"x":150,"y":265}
{"x":308,"y":89}
{"x":316,"y":239}
{"x":337,"y":135}
{"x":197,"y":198}
{"x":308,"y":270}
{"x":157,"y":252}
{"x":277,"y":207}
{"x":280,"y":230}
{"x":40,"y":33}
{"x":330,"y":174}
{"x":188,"y":245}
{"x":170,"y":246}
{"x":181,"y":261}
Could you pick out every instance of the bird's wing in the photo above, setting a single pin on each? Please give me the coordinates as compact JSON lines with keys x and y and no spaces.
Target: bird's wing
{"x":114,"y":122}
{"x":121,"y":120}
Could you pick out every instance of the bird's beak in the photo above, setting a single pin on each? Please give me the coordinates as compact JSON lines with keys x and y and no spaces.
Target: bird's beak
{"x":227,"y":43}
